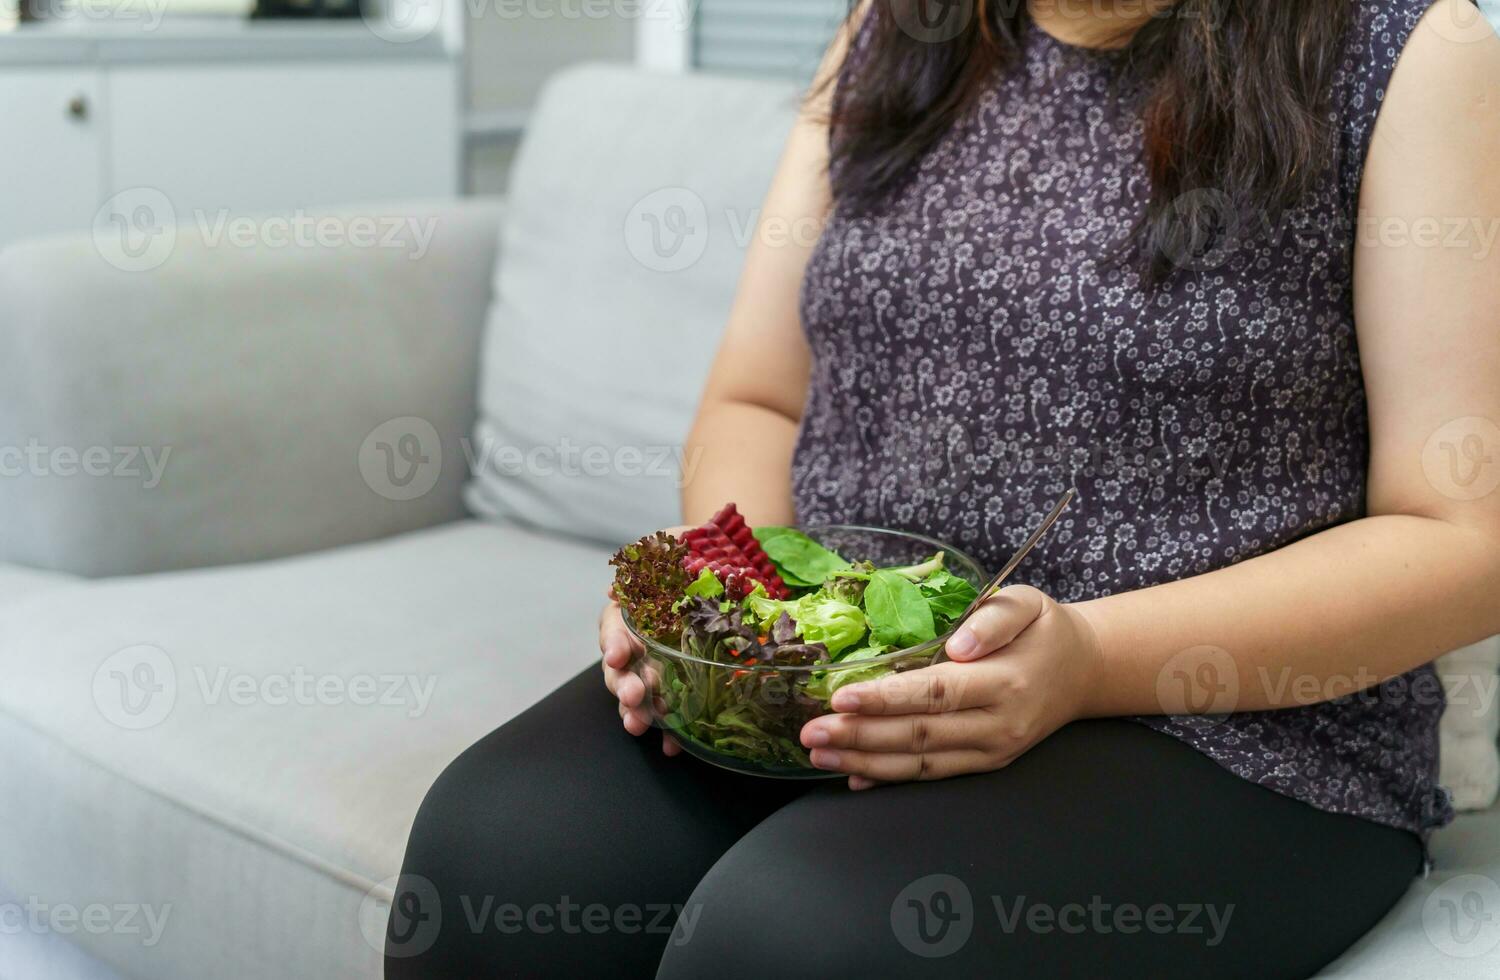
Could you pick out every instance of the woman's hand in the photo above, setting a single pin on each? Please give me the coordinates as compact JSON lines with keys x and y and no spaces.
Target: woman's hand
{"x":618,"y":649}
{"x":1020,"y":669}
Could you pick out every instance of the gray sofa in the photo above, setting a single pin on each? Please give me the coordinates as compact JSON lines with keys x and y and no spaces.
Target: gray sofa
{"x":226,"y":691}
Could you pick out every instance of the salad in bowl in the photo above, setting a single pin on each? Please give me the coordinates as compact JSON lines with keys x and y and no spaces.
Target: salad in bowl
{"x":749,"y":631}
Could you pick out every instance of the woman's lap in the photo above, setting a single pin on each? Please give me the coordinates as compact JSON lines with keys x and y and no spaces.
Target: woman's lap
{"x":559,"y":845}
{"x":559,"y":807}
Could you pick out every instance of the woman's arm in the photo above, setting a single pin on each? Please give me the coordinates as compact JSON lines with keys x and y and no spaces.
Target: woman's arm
{"x":741,"y":442}
{"x":1372,"y":599}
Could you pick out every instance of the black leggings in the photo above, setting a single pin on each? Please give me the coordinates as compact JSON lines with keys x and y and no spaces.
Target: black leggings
{"x":560,"y":846}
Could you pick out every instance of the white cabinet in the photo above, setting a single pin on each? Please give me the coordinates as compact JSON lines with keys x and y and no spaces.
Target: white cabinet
{"x":51,"y":176}
{"x":276,"y":137}
{"x":243,"y":121}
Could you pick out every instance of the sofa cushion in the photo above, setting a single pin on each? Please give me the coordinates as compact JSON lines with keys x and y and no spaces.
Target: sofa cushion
{"x":262,"y":837}
{"x":17,"y":583}
{"x":1469,"y":756}
{"x":630,"y":205}
{"x":202,"y":741}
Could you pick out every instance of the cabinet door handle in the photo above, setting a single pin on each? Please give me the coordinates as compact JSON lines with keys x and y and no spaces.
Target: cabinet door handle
{"x":78,"y":107}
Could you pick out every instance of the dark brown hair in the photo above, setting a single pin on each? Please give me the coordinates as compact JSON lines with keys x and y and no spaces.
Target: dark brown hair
{"x":1237,"y":104}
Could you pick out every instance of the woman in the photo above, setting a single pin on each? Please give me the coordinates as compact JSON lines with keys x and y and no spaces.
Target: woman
{"x":1155,"y":250}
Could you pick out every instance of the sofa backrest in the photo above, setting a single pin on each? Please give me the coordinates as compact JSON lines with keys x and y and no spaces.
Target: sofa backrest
{"x":225,"y":400}
{"x":630,"y":208}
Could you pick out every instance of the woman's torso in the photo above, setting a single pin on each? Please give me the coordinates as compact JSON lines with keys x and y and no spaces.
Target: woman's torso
{"x":978,"y":349}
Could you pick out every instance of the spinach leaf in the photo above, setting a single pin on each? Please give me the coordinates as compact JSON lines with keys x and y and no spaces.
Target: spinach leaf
{"x":947,"y":594}
{"x":897,"y":610}
{"x":800,"y":561}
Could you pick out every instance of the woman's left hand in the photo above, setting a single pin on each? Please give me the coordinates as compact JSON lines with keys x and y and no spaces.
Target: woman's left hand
{"x":1020,"y":669}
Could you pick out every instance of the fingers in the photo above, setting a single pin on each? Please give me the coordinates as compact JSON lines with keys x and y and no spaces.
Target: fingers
{"x":931,"y":690}
{"x":630,"y":689}
{"x":615,"y":642}
{"x":636,"y":721}
{"x":915,"y":733}
{"x":996,"y":623}
{"x":886,"y":767}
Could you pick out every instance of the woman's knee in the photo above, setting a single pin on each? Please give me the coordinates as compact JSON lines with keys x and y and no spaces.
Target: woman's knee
{"x":533,"y":854}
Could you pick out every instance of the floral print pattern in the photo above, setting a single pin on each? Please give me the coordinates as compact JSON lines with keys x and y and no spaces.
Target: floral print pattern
{"x":978,"y":348}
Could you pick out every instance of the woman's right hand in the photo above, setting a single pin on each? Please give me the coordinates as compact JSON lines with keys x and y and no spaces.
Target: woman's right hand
{"x":619,"y":649}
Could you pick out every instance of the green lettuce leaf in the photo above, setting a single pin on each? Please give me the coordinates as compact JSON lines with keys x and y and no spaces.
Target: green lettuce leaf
{"x":897,"y":610}
{"x":824,"y":684}
{"x":820,"y":618}
{"x":947,"y":595}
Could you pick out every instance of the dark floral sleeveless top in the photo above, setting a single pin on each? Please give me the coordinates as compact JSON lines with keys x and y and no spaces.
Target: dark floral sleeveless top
{"x":977,"y":352}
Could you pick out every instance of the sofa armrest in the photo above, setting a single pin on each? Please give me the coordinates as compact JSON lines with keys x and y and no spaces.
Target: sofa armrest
{"x":234,"y":402}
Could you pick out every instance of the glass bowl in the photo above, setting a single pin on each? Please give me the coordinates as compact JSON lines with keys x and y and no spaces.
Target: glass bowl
{"x":748,"y":718}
